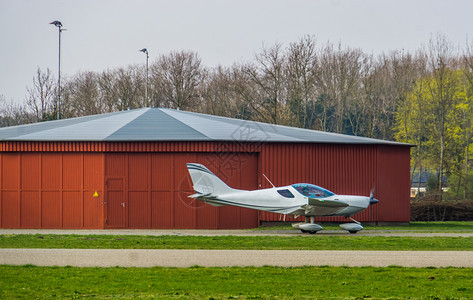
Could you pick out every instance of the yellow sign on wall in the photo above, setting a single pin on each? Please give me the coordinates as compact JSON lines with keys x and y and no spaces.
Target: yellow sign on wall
{"x":96,"y":194}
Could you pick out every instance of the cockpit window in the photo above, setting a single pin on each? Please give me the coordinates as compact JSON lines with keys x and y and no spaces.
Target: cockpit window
{"x":286,"y":193}
{"x":312,"y":191}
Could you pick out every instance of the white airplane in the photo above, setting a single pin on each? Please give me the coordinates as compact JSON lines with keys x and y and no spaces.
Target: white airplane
{"x":301,"y":199}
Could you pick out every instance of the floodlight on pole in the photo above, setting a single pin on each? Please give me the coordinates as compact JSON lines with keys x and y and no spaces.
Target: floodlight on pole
{"x":58,"y":24}
{"x":144,"y":50}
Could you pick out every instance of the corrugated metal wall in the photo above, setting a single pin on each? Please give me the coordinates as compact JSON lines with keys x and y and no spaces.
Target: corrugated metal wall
{"x":343,"y":169}
{"x":149,"y":190}
{"x":51,"y":190}
{"x":393,"y":184}
{"x":145,"y":185}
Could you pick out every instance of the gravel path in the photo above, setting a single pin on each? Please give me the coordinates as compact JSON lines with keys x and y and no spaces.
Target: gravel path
{"x":222,"y":258}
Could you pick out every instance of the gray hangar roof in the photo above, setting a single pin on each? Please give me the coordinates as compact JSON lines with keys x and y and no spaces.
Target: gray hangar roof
{"x":162,"y":124}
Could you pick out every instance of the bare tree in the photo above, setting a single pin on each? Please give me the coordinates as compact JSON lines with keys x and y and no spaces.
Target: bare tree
{"x":175,"y":78}
{"x":266,"y":82}
{"x":41,"y":99}
{"x":218,"y":94}
{"x":108,"y":94}
{"x":129,"y":88}
{"x":12,"y":113}
{"x":85,"y":93}
{"x":339,"y":81}
{"x":301,"y":72}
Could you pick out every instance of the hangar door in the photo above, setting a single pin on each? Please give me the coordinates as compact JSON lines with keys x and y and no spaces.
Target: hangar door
{"x":150,"y":190}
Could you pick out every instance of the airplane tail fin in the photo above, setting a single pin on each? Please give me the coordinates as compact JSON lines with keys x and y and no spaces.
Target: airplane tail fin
{"x":205,"y":182}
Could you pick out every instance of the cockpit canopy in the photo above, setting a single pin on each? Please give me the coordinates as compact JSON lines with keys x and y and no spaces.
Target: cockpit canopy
{"x":312,"y":191}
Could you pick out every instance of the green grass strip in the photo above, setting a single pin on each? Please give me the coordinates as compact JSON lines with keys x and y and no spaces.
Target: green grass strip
{"x":460,"y":226}
{"x":308,"y":242}
{"x":30,"y":282}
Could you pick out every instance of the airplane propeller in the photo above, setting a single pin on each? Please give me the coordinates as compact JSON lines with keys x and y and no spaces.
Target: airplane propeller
{"x":373,"y":200}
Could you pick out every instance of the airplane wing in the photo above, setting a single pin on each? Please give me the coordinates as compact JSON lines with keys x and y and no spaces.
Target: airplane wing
{"x":326,"y":203}
{"x":321,"y":207}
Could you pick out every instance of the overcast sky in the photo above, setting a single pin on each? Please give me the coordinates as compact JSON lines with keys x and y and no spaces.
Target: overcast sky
{"x":108,"y":34}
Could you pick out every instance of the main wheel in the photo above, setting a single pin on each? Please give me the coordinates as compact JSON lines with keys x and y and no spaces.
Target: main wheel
{"x":312,"y":232}
{"x":304,"y":231}
{"x":352,"y":231}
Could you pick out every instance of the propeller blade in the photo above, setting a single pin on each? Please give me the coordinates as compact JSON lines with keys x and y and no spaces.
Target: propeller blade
{"x":372,"y":199}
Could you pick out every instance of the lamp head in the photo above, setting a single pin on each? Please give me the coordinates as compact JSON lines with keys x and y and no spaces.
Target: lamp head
{"x":56,"y":23}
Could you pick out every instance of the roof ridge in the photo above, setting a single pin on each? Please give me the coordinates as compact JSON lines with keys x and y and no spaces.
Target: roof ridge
{"x":145,"y":110}
{"x":164,"y":110}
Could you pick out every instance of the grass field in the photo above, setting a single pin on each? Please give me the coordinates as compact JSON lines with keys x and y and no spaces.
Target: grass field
{"x":308,"y":242}
{"x":230,"y":283}
{"x":243,"y":283}
{"x":412,"y":226}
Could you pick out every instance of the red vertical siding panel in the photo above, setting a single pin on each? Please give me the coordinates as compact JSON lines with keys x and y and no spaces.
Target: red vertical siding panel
{"x":11,"y":171}
{"x":72,"y":208}
{"x":161,"y":171}
{"x":206,"y":215}
{"x":10,"y":190}
{"x":51,"y":206}
{"x":138,"y":208}
{"x":393,"y":168}
{"x":72,"y":213}
{"x":138,"y":204}
{"x":92,"y":210}
{"x":30,"y":171}
{"x":162,"y":190}
{"x":10,"y":209}
{"x":115,"y":164}
{"x":30,"y":210}
{"x":226,"y":165}
{"x":116,"y":206}
{"x":50,"y":171}
{"x":93,"y":181}
{"x":248,"y":181}
{"x":51,"y":209}
{"x":161,"y":210}
{"x":72,"y":171}
{"x":183,"y":209}
{"x":30,"y":202}
{"x":93,"y":171}
{"x":182,"y":180}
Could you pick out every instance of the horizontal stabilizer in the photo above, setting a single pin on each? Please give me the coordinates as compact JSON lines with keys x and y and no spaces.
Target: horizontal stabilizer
{"x":199,"y":195}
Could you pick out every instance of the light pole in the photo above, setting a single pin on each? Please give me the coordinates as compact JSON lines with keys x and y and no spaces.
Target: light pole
{"x":58,"y":24}
{"x":144,"y":50}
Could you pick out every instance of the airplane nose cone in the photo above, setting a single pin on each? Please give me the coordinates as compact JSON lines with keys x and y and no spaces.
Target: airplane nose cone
{"x":373,"y":201}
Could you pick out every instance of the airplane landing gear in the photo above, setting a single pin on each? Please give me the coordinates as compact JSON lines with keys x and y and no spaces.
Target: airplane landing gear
{"x":352,"y":227}
{"x":311,"y":227}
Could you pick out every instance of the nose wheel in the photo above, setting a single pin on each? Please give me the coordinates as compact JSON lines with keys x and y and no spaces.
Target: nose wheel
{"x":352,"y":227}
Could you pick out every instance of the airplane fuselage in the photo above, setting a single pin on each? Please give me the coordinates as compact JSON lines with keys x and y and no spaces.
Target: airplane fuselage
{"x":271,"y":200}
{"x":300,"y":199}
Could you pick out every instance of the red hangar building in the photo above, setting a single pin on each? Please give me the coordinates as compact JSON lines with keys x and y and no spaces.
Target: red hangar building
{"x":127,"y":169}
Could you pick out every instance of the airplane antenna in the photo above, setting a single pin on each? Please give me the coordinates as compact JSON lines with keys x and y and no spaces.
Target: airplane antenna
{"x":269,"y":181}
